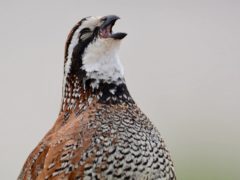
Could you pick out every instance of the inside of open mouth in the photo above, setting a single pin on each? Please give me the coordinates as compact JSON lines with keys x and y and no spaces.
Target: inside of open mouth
{"x":106,"y":32}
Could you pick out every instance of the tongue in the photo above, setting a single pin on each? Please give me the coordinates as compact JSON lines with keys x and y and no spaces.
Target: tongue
{"x":106,"y":32}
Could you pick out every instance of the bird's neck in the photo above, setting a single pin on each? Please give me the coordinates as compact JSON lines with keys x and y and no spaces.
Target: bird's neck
{"x":80,"y":92}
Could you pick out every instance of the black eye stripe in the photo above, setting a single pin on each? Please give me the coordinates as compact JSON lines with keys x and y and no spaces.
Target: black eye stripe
{"x":85,"y":30}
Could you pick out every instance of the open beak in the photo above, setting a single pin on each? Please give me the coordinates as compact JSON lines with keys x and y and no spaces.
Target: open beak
{"x":106,"y":28}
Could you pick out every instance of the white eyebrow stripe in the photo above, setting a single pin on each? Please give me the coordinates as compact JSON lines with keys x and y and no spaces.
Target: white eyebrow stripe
{"x":72,"y":44}
{"x":67,"y":66}
{"x":90,"y":22}
{"x":87,"y":23}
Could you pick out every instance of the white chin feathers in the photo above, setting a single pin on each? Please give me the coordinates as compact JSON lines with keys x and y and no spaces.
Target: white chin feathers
{"x":101,"y":61}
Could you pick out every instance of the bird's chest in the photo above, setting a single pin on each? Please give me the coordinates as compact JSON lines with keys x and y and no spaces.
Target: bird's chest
{"x":124,"y":146}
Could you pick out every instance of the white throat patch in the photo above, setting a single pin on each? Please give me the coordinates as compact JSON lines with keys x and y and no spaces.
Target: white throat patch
{"x":101,"y":61}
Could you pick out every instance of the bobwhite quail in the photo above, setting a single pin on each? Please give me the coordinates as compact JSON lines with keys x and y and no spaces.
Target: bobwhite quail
{"x":100,"y":132}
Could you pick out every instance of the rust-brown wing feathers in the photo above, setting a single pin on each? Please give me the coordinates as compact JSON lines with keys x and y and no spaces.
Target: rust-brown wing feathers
{"x":63,"y":146}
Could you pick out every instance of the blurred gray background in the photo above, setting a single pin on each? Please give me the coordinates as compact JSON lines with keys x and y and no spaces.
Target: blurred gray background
{"x":182,"y":66}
